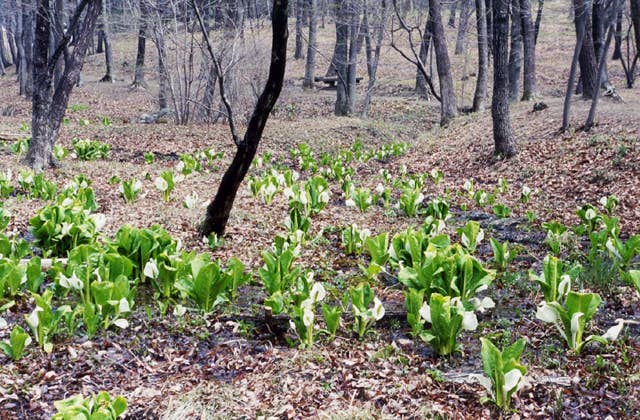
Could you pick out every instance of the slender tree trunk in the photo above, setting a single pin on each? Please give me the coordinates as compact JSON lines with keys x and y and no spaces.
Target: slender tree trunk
{"x":100,"y":46}
{"x":219,"y":209}
{"x":588,"y":64}
{"x":448,"y":109}
{"x":26,"y":68}
{"x":480,"y":96}
{"x":515,"y":54}
{"x":528,"y":35}
{"x":299,"y":51}
{"x":581,"y":24}
{"x":465,"y":13}
{"x":375,"y":57}
{"x":341,"y":57}
{"x":609,"y":29}
{"x":617,"y":50}
{"x":310,"y":67}
{"x":538,"y":20}
{"x":138,"y":78}
{"x":452,"y":13}
{"x":354,"y":31}
{"x":108,"y":53}
{"x":634,"y":9}
{"x":422,"y":88}
{"x":504,"y":143}
{"x":599,"y":28}
{"x":489,"y":6}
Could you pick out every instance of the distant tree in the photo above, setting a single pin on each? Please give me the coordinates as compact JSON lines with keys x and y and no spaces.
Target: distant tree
{"x":528,"y":41}
{"x":299,"y":49}
{"x":219,"y":209}
{"x":504,"y":142}
{"x":538,"y":20}
{"x":106,"y":39}
{"x":138,"y":77}
{"x":373,"y":52}
{"x":480,"y":95}
{"x":309,"y":72}
{"x":581,"y":16}
{"x":345,"y":54}
{"x":465,"y":14}
{"x":588,"y":63}
{"x":25,"y":49}
{"x":49,"y":102}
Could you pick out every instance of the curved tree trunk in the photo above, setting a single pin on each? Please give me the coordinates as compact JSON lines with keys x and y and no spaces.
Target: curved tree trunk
{"x":310,"y":67}
{"x":448,"y":109}
{"x":528,"y":35}
{"x":480,"y":96}
{"x":504,"y":143}
{"x":219,"y":209}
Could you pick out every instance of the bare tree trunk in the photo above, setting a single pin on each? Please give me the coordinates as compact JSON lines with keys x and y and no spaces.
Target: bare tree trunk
{"x":219,"y":209}
{"x":421,"y":81}
{"x":26,"y":64}
{"x":504,"y":143}
{"x":452,"y":13}
{"x":617,"y":50}
{"x":49,"y":104}
{"x":465,"y":13}
{"x":480,"y":96}
{"x":599,"y":28}
{"x":299,"y":53}
{"x":448,"y":109}
{"x":489,"y":6}
{"x":138,"y":78}
{"x":108,"y":53}
{"x":375,"y":57}
{"x":580,"y":23}
{"x":528,"y":34}
{"x":634,"y":8}
{"x":310,"y":67}
{"x":609,"y":28}
{"x":538,"y":20}
{"x":515,"y":54}
{"x":341,"y":56}
{"x":588,"y":64}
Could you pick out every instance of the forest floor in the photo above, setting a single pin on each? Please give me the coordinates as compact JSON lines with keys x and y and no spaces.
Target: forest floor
{"x":231,"y":363}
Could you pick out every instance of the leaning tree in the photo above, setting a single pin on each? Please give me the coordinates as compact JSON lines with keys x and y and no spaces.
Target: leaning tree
{"x":49,"y":102}
{"x":219,"y":209}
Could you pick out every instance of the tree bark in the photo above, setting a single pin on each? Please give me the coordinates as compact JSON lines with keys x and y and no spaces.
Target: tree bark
{"x":219,"y":209}
{"x":299,"y":50}
{"x":310,"y":67}
{"x":588,"y":64}
{"x":515,"y":53}
{"x":374,"y":59}
{"x":528,"y":35}
{"x":465,"y":13}
{"x":480,"y":96}
{"x":580,"y":23}
{"x":421,"y":81}
{"x":598,"y":30}
{"x":49,"y":104}
{"x":504,"y":143}
{"x":634,"y":9}
{"x":108,"y":52}
{"x":448,"y":109}
{"x":617,"y":50}
{"x":452,"y":13}
{"x":538,"y":20}
{"x":26,"y":64}
{"x":138,"y":78}
{"x":341,"y":56}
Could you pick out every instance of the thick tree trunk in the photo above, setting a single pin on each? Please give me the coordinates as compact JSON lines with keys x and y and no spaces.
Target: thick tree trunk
{"x":448,"y":109}
{"x":219,"y":209}
{"x":599,"y":28}
{"x":138,"y":77}
{"x":310,"y":67}
{"x":59,"y":18}
{"x":504,"y":143}
{"x":299,"y":53}
{"x":480,"y":96}
{"x":515,"y":54}
{"x":465,"y":13}
{"x":108,"y":52}
{"x":588,"y":64}
{"x":49,"y":104}
{"x":528,"y":35}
